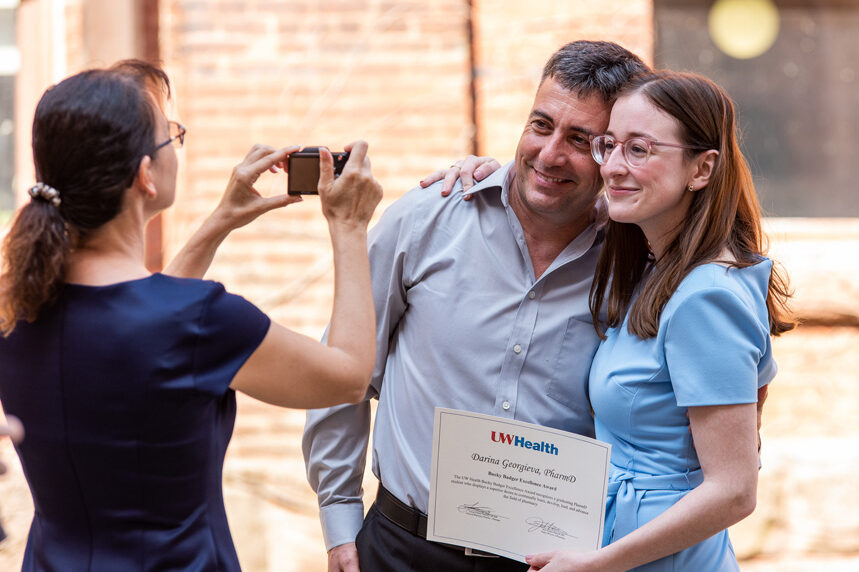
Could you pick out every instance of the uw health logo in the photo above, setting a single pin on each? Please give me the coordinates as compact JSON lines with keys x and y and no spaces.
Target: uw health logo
{"x":517,"y":441}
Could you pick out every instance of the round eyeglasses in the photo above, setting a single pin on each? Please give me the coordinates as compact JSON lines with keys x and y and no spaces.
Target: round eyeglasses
{"x":636,"y":150}
{"x":177,"y":135}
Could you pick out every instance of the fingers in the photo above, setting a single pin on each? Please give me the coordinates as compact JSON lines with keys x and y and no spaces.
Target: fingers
{"x":433,"y":177}
{"x":357,"y":155}
{"x":259,"y":159}
{"x":476,"y":169}
{"x":343,"y":558}
{"x":13,"y":428}
{"x":466,"y":173}
{"x":486,"y":169}
{"x":352,"y":197}
{"x":326,"y":171}
{"x":537,"y":561}
{"x":268,"y":158}
{"x":279,"y":201}
{"x":450,"y":178}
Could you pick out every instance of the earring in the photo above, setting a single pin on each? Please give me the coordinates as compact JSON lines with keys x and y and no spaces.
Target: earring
{"x":691,"y":188}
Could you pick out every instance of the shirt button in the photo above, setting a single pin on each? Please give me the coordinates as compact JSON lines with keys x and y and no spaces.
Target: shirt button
{"x":506,"y":405}
{"x":517,"y":349}
{"x":532,"y":295}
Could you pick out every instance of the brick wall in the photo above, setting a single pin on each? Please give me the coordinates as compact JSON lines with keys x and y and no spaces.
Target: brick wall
{"x":513,"y":39}
{"x":307,"y":72}
{"x":394,"y":73}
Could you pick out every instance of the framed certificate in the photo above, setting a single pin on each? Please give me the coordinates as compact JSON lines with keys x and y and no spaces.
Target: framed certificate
{"x":514,"y":488}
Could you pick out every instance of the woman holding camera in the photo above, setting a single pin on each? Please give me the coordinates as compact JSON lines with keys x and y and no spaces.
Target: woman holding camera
{"x":126,"y":380}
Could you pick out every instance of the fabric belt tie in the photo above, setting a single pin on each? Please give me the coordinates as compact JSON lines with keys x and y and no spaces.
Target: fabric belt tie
{"x":628,"y":490}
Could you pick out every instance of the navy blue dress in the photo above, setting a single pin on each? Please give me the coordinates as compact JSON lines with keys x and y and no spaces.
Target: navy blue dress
{"x":124,"y":394}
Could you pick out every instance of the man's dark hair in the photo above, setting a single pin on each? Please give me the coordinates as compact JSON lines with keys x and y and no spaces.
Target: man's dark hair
{"x":586,"y":67}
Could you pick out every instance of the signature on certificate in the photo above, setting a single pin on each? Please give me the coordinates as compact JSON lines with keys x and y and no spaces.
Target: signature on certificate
{"x":537,"y":524}
{"x":474,"y":509}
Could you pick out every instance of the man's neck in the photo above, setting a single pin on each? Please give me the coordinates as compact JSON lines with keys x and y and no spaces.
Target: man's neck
{"x":546,"y":236}
{"x":546,"y":242}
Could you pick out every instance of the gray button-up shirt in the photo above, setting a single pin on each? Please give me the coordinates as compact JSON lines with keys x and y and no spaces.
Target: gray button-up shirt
{"x":461,"y":323}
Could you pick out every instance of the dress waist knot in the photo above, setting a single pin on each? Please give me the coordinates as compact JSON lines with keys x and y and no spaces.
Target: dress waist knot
{"x":626,"y":490}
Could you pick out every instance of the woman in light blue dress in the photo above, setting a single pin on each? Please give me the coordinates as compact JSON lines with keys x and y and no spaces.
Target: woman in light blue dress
{"x":691,"y":303}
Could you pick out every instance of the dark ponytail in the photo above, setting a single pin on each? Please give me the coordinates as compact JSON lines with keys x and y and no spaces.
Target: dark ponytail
{"x":34,"y":261}
{"x":90,"y":133}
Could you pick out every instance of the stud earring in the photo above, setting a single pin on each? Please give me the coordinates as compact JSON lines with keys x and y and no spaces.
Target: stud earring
{"x":691,"y":188}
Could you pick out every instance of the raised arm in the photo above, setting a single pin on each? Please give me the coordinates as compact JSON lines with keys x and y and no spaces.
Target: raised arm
{"x":240,"y":204}
{"x":293,"y":370}
{"x":335,"y":439}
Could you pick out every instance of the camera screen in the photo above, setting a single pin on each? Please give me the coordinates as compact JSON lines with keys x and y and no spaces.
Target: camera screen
{"x":303,"y":174}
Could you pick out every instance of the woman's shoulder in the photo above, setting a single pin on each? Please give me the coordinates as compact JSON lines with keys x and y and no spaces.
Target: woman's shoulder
{"x":715,"y":288}
{"x":154,"y":291}
{"x":190,"y":285}
{"x":168,"y":304}
{"x":749,"y":283}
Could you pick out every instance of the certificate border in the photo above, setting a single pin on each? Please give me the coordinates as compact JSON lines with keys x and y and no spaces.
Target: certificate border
{"x":441,"y":412}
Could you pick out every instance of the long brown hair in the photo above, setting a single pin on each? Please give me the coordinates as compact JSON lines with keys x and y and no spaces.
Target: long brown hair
{"x":724,"y":214}
{"x":90,"y":132}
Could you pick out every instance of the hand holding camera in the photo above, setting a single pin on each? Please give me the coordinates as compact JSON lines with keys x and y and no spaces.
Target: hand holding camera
{"x":242,"y":202}
{"x":352,"y":197}
{"x":303,"y":169}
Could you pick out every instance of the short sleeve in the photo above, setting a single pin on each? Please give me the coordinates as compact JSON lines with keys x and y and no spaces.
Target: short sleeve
{"x":230,"y":330}
{"x":715,"y":347}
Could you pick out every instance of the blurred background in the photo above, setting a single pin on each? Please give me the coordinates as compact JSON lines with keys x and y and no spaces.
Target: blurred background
{"x":427,"y":82}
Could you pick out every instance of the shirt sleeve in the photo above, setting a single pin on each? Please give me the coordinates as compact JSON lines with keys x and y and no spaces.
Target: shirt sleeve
{"x":230,"y":330}
{"x":336,"y":439}
{"x":715,"y":347}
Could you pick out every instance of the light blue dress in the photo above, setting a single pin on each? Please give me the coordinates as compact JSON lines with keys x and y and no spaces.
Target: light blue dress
{"x":712,"y":348}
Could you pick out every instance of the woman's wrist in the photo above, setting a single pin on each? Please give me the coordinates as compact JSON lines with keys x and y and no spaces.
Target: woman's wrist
{"x":606,"y":559}
{"x":220,"y":223}
{"x":351,"y":227}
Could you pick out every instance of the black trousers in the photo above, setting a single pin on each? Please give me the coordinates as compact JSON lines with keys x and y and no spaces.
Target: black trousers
{"x":385,"y":547}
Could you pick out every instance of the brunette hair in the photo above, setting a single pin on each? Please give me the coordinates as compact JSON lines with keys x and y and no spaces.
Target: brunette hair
{"x":724,"y":214}
{"x":589,"y":67}
{"x":90,"y":133}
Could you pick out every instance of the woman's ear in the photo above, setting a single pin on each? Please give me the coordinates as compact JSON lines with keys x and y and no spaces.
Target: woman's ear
{"x":144,"y":178}
{"x":705,"y":166}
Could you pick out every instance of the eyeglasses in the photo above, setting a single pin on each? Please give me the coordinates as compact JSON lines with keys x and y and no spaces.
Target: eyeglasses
{"x":177,"y":135}
{"x":636,"y":150}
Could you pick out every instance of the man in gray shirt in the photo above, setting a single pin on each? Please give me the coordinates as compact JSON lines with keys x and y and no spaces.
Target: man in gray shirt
{"x":480,"y":307}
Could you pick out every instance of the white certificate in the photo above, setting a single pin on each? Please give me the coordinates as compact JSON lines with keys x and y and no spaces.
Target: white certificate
{"x":514,"y":488}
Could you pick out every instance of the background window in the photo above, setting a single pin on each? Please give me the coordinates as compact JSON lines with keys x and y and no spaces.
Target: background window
{"x":798,"y":101}
{"x":9,"y":63}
